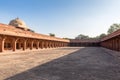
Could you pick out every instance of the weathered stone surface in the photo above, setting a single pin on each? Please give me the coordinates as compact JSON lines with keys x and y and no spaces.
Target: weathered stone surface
{"x":90,"y":63}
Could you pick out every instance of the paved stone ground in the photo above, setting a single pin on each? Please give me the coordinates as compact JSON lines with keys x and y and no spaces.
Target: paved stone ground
{"x":18,"y":62}
{"x":91,"y":63}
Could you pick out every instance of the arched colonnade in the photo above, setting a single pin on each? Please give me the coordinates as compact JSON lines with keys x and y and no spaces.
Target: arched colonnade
{"x":14,"y":43}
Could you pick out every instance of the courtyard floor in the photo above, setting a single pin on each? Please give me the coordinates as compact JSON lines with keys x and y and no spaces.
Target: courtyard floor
{"x":69,"y":63}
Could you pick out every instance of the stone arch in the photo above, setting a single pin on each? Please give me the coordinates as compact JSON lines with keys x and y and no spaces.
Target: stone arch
{"x":40,"y":44}
{"x":28,"y":44}
{"x":51,"y":44}
{"x":8,"y":43}
{"x":55,"y":44}
{"x":48,"y":42}
{"x":35,"y":44}
{"x":20,"y":43}
{"x":45,"y":44}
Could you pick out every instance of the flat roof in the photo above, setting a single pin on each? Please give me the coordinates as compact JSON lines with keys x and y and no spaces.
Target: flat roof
{"x":13,"y":31}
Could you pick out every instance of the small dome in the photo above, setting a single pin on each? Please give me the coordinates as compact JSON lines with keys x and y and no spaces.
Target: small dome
{"x":18,"y":23}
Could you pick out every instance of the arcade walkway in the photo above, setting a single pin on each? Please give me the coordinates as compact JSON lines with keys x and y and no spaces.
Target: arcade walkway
{"x":90,"y":63}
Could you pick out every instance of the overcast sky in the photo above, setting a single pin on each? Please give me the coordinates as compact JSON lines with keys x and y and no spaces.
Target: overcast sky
{"x":64,"y":18}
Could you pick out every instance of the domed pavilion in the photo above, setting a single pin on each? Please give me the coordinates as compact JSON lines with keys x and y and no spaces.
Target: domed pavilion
{"x":18,"y":23}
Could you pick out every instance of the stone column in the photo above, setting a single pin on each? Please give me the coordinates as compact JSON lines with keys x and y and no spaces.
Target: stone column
{"x":31,"y":45}
{"x":63,"y":44}
{"x":24,"y":45}
{"x":53,"y":44}
{"x":49,"y":44}
{"x":14,"y":44}
{"x":113,"y":44}
{"x":42,"y":44}
{"x":37,"y":45}
{"x":2,"y":40}
{"x":119,"y":43}
{"x":46,"y":44}
{"x":56,"y":44}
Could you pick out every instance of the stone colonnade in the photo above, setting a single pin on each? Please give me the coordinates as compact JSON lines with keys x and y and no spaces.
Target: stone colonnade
{"x":84,"y":44}
{"x":21,"y":43}
{"x":113,"y":43}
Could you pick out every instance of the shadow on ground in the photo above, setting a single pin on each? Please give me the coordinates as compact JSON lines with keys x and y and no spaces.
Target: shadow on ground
{"x":85,"y":64}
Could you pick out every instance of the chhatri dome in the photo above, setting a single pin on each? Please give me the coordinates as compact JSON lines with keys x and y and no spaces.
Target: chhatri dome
{"x":18,"y":23}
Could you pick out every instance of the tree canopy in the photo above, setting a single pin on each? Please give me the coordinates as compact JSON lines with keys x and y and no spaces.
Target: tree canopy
{"x":82,"y":36}
{"x":102,"y":35}
{"x":51,"y":34}
{"x":113,"y":28}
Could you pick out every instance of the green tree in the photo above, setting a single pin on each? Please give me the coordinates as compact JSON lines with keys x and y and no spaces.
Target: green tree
{"x":102,"y":35}
{"x":51,"y":34}
{"x":113,"y":28}
{"x":99,"y":36}
{"x":66,"y":38}
{"x":81,"y":36}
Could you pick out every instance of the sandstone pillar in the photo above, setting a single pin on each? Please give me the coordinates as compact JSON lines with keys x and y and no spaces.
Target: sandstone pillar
{"x":119,"y":43}
{"x":2,"y":40}
{"x":42,"y":44}
{"x":37,"y":44}
{"x":24,"y":45}
{"x":31,"y":45}
{"x":45,"y":44}
{"x":14,"y":44}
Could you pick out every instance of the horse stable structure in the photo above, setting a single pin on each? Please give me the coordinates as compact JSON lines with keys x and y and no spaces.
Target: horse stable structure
{"x":112,"y":41}
{"x":18,"y":36}
{"x":84,"y":42}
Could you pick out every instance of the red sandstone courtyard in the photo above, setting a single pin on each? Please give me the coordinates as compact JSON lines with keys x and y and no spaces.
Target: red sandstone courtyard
{"x":31,"y":50}
{"x":68,"y":63}
{"x":26,"y":55}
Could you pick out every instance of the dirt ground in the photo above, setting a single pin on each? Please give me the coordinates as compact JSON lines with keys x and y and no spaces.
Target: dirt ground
{"x":69,"y":63}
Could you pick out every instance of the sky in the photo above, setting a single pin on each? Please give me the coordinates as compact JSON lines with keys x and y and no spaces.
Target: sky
{"x":64,"y":18}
